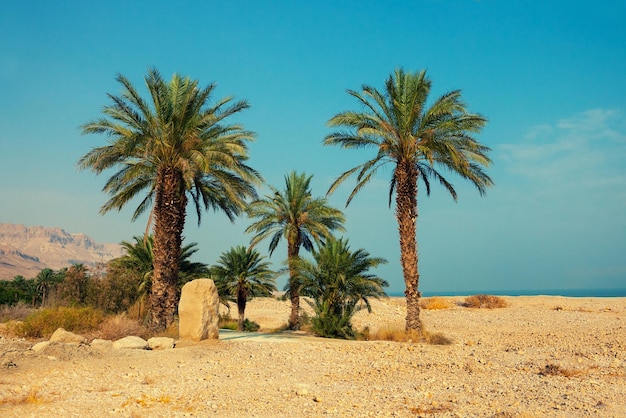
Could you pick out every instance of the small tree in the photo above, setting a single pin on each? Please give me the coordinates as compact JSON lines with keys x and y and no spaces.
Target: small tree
{"x":300,"y":218}
{"x":241,"y":274}
{"x":338,"y":281}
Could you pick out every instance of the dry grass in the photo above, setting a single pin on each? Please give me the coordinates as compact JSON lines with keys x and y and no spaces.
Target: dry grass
{"x":31,"y":398}
{"x":436,"y":303}
{"x":556,"y":370}
{"x":401,"y":335}
{"x":431,"y":409}
{"x":485,"y":301}
{"x":18,"y":312}
{"x":120,"y":326}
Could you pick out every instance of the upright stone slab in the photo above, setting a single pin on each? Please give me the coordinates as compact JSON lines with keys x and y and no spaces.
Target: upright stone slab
{"x":198,"y":311}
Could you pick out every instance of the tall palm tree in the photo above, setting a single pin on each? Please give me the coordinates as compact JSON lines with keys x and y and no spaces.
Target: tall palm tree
{"x":241,"y":274}
{"x":298,"y":217}
{"x":173,"y":147}
{"x":416,"y":139}
{"x":338,"y":281}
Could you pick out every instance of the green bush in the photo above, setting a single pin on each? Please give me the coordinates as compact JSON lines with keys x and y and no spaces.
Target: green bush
{"x":226,"y":322}
{"x":44,"y":322}
{"x":333,"y":323}
{"x":250,"y":326}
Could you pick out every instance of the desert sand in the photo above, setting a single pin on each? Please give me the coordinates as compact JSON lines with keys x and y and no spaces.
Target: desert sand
{"x":540,"y":356}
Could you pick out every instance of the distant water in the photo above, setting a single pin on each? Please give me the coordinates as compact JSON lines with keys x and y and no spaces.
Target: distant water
{"x":578,"y":293}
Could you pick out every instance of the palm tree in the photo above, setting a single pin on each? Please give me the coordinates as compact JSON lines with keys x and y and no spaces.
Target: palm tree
{"x":416,"y":140}
{"x":45,"y":280}
{"x":338,"y":281}
{"x":298,"y":217}
{"x":174,"y":147}
{"x":139,"y":258}
{"x":240,"y":275}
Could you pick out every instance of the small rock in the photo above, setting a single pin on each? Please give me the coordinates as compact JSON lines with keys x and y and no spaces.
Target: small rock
{"x":132,"y":342}
{"x":102,"y":345}
{"x":63,"y":336}
{"x":160,"y":343}
{"x":41,"y":346}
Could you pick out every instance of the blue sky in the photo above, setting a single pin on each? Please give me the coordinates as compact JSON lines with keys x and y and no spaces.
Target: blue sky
{"x":549,"y":76}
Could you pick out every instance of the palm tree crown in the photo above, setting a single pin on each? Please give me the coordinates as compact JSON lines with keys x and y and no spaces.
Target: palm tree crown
{"x":175,"y":146}
{"x":416,"y":139}
{"x":298,"y":217}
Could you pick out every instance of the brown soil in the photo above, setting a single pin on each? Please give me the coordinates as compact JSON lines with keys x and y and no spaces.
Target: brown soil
{"x":540,"y":356}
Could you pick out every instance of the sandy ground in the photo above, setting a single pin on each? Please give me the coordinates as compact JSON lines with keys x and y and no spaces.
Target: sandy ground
{"x":541,"y":356}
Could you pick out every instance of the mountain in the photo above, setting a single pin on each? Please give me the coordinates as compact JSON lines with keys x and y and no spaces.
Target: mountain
{"x":27,"y":250}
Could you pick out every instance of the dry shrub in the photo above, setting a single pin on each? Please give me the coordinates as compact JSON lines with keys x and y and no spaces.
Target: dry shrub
{"x":120,"y":326}
{"x":401,"y":335}
{"x":433,"y":408}
{"x":17,"y":312}
{"x":171,"y":331}
{"x":485,"y":301}
{"x":436,"y":303}
{"x":43,"y":322}
{"x":30,"y":398}
{"x":556,"y":370}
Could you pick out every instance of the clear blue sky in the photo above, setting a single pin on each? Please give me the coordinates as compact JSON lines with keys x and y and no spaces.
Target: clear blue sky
{"x":549,"y":76}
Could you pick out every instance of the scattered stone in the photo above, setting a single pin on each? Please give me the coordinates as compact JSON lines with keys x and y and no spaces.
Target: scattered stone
{"x":41,"y":346}
{"x":63,"y":336}
{"x":198,"y":311}
{"x":102,"y":345}
{"x":131,"y":342}
{"x":160,"y":343}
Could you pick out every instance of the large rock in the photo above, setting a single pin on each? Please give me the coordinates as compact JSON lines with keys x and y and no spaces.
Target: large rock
{"x":198,"y":311}
{"x":63,"y":336}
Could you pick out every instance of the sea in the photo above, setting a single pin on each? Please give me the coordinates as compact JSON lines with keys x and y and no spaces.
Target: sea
{"x":576,"y":293}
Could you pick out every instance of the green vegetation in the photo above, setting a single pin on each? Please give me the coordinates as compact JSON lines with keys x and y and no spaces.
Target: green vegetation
{"x":294,"y":214}
{"x":414,"y":139}
{"x":43,"y":322}
{"x":240,"y":275}
{"x":174,"y":147}
{"x":338,"y":280}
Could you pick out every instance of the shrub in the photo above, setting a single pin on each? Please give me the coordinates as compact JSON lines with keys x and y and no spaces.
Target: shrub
{"x":44,"y":322}
{"x":485,"y":301}
{"x":250,"y":326}
{"x":556,"y":370}
{"x":226,"y":322}
{"x":436,"y":303}
{"x":329,"y":324}
{"x":119,"y":326}
{"x":401,"y":335}
{"x":17,"y":312}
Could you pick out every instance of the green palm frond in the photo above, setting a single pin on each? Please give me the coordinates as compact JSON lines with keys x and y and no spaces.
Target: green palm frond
{"x":402,"y":127}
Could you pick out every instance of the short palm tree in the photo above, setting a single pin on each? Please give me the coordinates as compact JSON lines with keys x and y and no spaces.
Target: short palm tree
{"x":139,"y":258}
{"x":338,"y":281}
{"x":241,"y":274}
{"x":416,"y":140}
{"x":293,"y":214}
{"x":174,"y":147}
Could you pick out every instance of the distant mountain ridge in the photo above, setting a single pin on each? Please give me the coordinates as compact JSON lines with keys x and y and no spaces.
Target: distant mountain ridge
{"x":27,"y":250}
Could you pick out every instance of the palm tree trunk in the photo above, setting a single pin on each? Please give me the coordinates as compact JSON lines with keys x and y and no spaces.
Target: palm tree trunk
{"x":169,"y":210}
{"x":294,"y":286}
{"x":241,"y":307}
{"x":406,"y":214}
